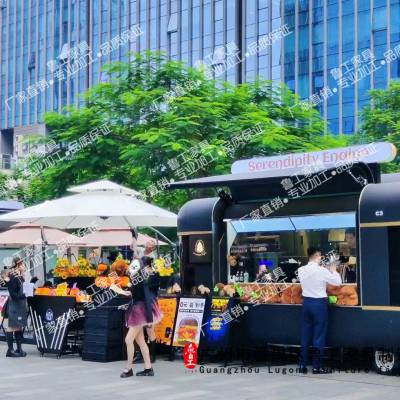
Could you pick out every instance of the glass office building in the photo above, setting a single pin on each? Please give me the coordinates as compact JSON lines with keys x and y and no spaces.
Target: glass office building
{"x":331,"y":52}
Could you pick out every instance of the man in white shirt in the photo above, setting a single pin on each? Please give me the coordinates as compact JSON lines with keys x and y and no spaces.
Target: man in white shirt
{"x":313,"y":279}
{"x":148,"y":251}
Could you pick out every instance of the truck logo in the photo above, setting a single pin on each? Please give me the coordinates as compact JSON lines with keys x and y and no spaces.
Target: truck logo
{"x":199,"y":249}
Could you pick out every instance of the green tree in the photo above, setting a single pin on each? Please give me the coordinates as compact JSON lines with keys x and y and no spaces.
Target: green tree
{"x":159,"y":112}
{"x":381,"y":120}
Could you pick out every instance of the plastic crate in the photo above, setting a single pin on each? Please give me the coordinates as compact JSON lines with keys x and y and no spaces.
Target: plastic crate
{"x":103,"y":354}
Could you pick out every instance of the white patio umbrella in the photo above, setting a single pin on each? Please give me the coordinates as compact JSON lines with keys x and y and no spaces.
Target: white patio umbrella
{"x":115,"y":237}
{"x":23,"y":234}
{"x":31,"y":235}
{"x":102,"y":203}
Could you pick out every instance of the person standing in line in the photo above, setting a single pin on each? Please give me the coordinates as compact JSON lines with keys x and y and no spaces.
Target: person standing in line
{"x":143,"y":311}
{"x":17,"y":310}
{"x":313,"y":279}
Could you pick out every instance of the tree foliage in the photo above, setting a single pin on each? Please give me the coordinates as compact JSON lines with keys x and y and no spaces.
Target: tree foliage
{"x":381,"y":120}
{"x":160,"y":111}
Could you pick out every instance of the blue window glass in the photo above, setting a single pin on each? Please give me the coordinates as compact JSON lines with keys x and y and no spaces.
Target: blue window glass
{"x":380,"y":18}
{"x":395,"y":23}
{"x":348,"y":109}
{"x":303,"y":86}
{"x":303,"y":43}
{"x":363,"y":5}
{"x":324,"y":221}
{"x":348,"y":125}
{"x":333,"y":111}
{"x":317,"y":82}
{"x":333,"y":125}
{"x":347,"y":7}
{"x":289,"y":7}
{"x":289,"y":48}
{"x":348,"y":33}
{"x":318,"y":14}
{"x":195,"y":22}
{"x":207,"y":19}
{"x":218,"y":10}
{"x":263,"y":225}
{"x":333,"y":38}
{"x":231,"y":15}
{"x":364,"y":29}
{"x":332,"y":9}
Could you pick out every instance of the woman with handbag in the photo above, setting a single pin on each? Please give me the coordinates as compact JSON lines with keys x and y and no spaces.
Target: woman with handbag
{"x":143,"y":311}
{"x":17,"y":310}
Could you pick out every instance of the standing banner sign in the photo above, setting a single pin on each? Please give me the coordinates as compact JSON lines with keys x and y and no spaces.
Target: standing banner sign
{"x":217,"y":324}
{"x":164,"y":329}
{"x":189,"y":320}
{"x":3,"y":300}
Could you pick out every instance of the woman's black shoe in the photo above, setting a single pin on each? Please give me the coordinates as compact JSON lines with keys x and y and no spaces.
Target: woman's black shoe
{"x":321,"y":371}
{"x":20,"y":353}
{"x":11,"y":353}
{"x":146,"y":372}
{"x":126,"y":373}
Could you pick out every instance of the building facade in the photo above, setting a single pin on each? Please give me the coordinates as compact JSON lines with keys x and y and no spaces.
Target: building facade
{"x":331,"y":52}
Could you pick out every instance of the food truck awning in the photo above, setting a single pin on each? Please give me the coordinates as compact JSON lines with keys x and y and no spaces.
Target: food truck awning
{"x":379,"y":204}
{"x":268,"y":184}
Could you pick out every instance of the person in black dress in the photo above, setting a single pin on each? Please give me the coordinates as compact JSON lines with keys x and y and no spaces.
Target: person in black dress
{"x":153,"y":283}
{"x":17,"y":310}
{"x":143,"y":311}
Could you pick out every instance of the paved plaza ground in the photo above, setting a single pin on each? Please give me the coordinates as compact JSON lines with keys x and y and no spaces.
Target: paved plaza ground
{"x":48,"y":378}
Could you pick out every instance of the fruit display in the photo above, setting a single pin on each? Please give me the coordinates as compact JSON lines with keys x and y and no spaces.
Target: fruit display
{"x":283,"y":293}
{"x":107,"y":281}
{"x":64,"y":269}
{"x":101,"y":268}
{"x":162,"y":269}
{"x":63,"y":290}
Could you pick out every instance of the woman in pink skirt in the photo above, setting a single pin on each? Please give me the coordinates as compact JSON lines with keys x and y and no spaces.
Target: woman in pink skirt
{"x":143,"y":311}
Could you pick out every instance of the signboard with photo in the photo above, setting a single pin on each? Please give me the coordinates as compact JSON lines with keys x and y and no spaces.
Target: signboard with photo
{"x":216,"y":326}
{"x":164,"y":329}
{"x":3,"y":300}
{"x":189,"y":321}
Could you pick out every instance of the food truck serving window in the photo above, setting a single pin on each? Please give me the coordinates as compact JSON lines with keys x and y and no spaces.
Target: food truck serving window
{"x":259,"y":245}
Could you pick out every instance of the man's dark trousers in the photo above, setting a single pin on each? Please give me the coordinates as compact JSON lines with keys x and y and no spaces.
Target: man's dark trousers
{"x":314,"y":329}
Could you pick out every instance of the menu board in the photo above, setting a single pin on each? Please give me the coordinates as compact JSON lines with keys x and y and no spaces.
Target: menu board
{"x":217,"y":326}
{"x":189,"y":321}
{"x":164,"y":329}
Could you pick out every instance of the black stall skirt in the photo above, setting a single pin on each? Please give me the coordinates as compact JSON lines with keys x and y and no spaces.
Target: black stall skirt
{"x":348,"y":326}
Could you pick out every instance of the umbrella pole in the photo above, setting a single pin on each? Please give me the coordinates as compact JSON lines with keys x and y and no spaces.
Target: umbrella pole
{"x":43,"y":252}
{"x":157,"y":245}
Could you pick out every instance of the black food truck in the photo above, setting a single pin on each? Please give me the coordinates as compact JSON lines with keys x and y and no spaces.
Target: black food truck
{"x":262,"y":222}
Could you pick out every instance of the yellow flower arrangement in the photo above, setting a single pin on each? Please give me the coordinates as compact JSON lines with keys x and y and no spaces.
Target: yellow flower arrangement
{"x":162,"y":269}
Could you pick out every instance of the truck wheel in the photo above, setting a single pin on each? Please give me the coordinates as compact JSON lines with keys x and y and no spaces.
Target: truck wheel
{"x":386,"y":362}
